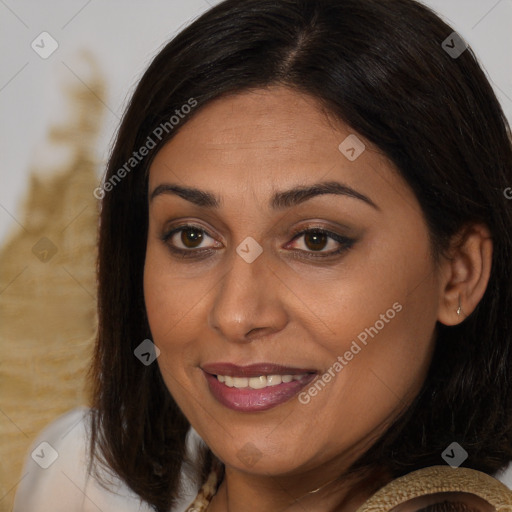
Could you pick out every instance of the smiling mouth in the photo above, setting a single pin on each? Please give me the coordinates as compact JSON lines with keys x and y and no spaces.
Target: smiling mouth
{"x":256,"y":387}
{"x":260,"y":382}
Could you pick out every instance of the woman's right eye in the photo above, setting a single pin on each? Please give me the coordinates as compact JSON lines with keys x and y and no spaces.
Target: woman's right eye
{"x":188,"y":242}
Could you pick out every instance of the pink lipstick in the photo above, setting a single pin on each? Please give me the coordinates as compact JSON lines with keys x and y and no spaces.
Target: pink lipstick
{"x":255,"y":387}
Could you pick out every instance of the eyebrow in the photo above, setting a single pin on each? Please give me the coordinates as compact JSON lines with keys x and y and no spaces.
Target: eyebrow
{"x":279,"y":201}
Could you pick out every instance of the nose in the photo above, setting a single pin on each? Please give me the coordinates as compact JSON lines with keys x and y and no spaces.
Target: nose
{"x":248,"y":302}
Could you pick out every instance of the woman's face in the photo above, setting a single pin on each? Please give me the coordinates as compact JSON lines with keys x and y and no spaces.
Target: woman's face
{"x":287,"y":352}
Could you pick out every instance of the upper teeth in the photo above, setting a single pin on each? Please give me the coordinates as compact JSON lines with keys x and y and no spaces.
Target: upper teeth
{"x":257,"y":382}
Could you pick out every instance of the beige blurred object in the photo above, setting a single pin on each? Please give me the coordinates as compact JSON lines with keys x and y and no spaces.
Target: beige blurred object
{"x":439,"y":480}
{"x":48,"y":284}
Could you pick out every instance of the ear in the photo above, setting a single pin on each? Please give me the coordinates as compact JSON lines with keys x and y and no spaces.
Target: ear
{"x":465,"y":272}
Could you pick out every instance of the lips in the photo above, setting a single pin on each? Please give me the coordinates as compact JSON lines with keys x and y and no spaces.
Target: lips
{"x":255,"y":387}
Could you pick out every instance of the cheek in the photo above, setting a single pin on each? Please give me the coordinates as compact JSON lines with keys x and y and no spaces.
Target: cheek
{"x":175,"y":300}
{"x":384,"y":320}
{"x":167,"y":304}
{"x":170,"y":299}
{"x":362,"y":294}
{"x":391,"y":364}
{"x":156,"y":296}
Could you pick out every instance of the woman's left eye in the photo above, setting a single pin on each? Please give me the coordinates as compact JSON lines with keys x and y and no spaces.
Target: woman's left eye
{"x":316,"y":240}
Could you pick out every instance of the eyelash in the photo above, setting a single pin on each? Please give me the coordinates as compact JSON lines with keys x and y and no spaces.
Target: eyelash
{"x":346,"y":243}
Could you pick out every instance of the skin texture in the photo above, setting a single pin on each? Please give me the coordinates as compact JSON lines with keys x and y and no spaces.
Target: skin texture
{"x":296,"y":311}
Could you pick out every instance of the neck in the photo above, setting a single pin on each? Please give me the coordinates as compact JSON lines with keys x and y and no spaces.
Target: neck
{"x":314,"y":492}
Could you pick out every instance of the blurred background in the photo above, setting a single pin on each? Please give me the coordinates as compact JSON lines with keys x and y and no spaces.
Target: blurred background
{"x":68,"y":69}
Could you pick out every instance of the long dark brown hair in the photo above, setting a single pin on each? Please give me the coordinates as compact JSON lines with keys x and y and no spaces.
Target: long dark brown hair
{"x":381,"y":68}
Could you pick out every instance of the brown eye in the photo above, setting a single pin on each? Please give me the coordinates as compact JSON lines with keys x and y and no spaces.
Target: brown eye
{"x":190,"y":237}
{"x":315,"y":240}
{"x":187,"y":239}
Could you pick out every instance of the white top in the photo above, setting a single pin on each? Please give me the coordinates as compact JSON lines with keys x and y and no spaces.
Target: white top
{"x":55,"y":478}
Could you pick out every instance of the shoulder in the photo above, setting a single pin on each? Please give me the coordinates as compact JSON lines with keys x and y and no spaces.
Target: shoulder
{"x":505,"y":476}
{"x":55,"y":476}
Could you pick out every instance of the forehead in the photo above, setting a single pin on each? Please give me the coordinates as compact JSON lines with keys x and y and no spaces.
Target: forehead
{"x":267,"y":140}
{"x":266,"y":123}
